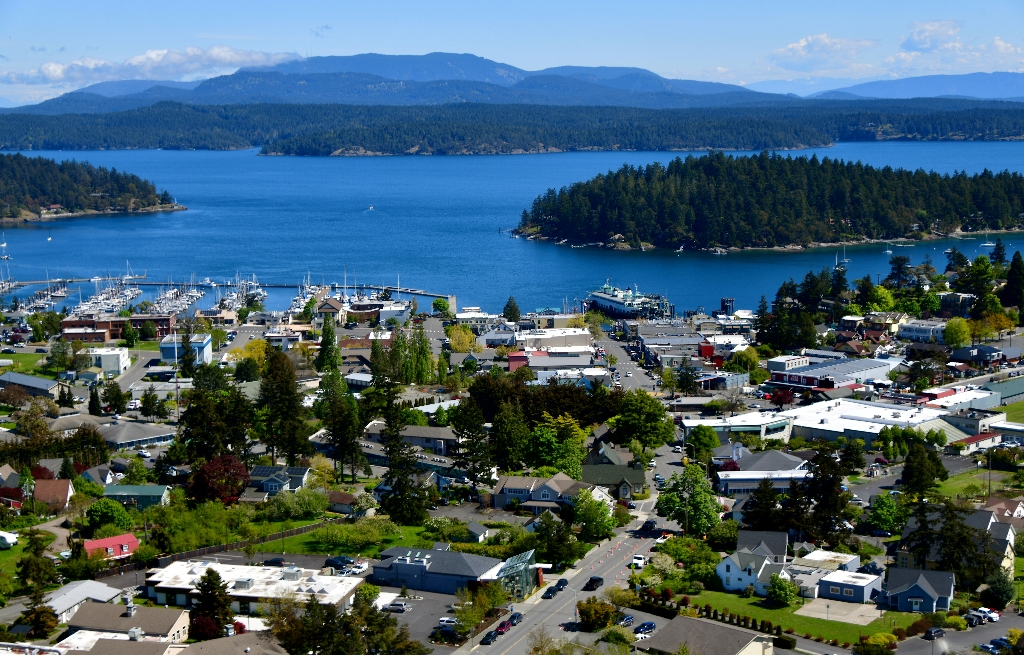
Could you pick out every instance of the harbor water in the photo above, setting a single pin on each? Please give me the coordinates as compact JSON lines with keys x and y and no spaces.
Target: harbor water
{"x":436,"y":223}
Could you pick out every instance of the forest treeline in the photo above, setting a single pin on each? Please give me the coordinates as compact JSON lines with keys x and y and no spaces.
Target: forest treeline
{"x":31,"y":183}
{"x":772,"y":200}
{"x":324,"y":129}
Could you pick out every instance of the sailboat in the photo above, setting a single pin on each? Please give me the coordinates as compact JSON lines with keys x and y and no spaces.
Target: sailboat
{"x":49,"y":236}
{"x":988,"y":242}
{"x":838,"y":266}
{"x":845,"y":259}
{"x":888,"y":249}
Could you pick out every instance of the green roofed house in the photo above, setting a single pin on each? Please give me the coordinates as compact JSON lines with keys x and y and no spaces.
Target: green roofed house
{"x":139,"y":496}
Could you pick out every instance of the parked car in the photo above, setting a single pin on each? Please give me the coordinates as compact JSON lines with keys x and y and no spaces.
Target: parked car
{"x":145,"y":454}
{"x":358,"y":568}
{"x":503,"y":627}
{"x":881,"y":460}
{"x":931,"y":634}
{"x":645,"y":628}
{"x":631,"y":505}
{"x":40,"y":350}
{"x":8,"y":351}
{"x":489,"y":638}
{"x":881,"y":533}
{"x":516,"y":618}
{"x":973,"y":621}
{"x":339,"y":561}
{"x":679,"y":449}
{"x":399,"y":606}
{"x":561,"y":584}
{"x":662,"y":539}
{"x":1001,"y":643}
{"x":275,"y":561}
{"x":626,"y":621}
{"x":593,"y":583}
{"x":988,"y":648}
{"x":978,"y":616}
{"x":991,"y":615}
{"x":550,"y":593}
{"x":447,"y":620}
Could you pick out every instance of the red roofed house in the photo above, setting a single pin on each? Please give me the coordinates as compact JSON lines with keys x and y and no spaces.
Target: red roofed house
{"x":113,"y":547}
{"x":341,"y":502}
{"x":55,"y":493}
{"x":974,"y":443}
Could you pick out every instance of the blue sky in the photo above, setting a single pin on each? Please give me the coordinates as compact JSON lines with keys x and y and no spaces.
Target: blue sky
{"x":47,"y":48}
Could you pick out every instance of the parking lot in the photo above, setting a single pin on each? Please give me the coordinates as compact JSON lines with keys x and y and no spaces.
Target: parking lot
{"x":427,"y":608}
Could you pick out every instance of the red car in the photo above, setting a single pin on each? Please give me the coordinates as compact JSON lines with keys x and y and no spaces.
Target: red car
{"x":881,"y":460}
{"x":504,"y":627}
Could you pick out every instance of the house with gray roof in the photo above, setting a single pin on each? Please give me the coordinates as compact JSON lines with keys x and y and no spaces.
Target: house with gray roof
{"x":31,"y":384}
{"x":101,"y":475}
{"x":169,"y":624}
{"x":438,"y":571}
{"x":741,"y":569}
{"x":706,"y":638}
{"x":623,"y":481}
{"x":773,"y":544}
{"x":9,"y":477}
{"x":914,"y":590}
{"x":125,"y":435}
{"x":66,"y":600}
{"x":539,"y":494}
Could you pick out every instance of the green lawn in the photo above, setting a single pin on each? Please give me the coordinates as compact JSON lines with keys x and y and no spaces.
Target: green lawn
{"x":802,"y":624}
{"x":1018,"y":568}
{"x":304,"y":543}
{"x":956,"y":484}
{"x":28,"y":363}
{"x":1014,"y":412}
{"x":9,"y":558}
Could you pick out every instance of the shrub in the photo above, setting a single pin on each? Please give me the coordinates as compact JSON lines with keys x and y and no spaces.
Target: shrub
{"x":900,"y":633}
{"x":846,"y":645}
{"x":956,"y":622}
{"x":697,"y":586}
{"x":788,"y":643}
{"x":239,"y":627}
{"x":667,"y":593}
{"x":819,"y":639}
{"x":952,"y":613}
{"x":686,"y":601}
{"x":807,"y":635}
{"x":747,"y":592}
{"x":790,"y":631}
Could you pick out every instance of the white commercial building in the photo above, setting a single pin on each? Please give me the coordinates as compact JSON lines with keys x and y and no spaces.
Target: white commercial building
{"x":248,"y":586}
{"x":554,"y":338}
{"x":110,"y":360}
{"x":923,"y":331}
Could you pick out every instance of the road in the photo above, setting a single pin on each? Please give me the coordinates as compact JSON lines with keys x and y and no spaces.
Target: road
{"x":625,"y":366}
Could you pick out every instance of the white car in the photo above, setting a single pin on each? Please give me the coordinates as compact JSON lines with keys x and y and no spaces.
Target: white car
{"x":677,"y":449}
{"x":641,"y":637}
{"x":447,"y":620}
{"x":357,"y":568}
{"x":144,"y":454}
{"x":662,"y":539}
{"x":629,"y":374}
{"x":989,"y":614}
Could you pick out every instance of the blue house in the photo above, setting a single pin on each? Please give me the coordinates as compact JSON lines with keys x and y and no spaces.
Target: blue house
{"x":915,"y":590}
{"x":202,"y":344}
{"x":850,"y":587}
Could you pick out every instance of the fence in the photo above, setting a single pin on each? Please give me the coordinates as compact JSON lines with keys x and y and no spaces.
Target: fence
{"x":163,"y":561}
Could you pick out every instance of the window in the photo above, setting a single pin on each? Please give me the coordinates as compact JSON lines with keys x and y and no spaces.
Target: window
{"x":124,"y":548}
{"x":833,"y":590}
{"x":545,"y":495}
{"x":728,"y":568}
{"x":110,"y":551}
{"x":847,"y":592}
{"x":726,"y":580}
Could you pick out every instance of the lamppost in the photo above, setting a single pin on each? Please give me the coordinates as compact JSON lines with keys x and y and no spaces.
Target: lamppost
{"x":827,"y":606}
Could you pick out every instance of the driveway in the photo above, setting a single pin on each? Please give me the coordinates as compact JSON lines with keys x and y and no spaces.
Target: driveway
{"x":834,"y":610}
{"x":62,"y":534}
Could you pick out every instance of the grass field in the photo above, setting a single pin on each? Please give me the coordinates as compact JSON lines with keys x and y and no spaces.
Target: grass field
{"x":9,"y":558}
{"x":956,"y":484}
{"x":802,"y":624}
{"x":304,"y":543}
{"x":1014,"y":412}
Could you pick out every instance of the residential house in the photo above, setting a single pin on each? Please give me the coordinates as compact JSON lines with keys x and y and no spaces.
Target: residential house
{"x":742,"y":569}
{"x":855,"y":348}
{"x":341,"y":502}
{"x":603,"y":453}
{"x":255,"y":643}
{"x":772,"y":544}
{"x":774,"y":465}
{"x":276,"y":479}
{"x":101,"y":475}
{"x":531,"y":525}
{"x":139,"y":496}
{"x":52,"y":464}
{"x":706,"y":638}
{"x":973,"y":444}
{"x":69,"y":598}
{"x":113,"y":548}
{"x":1010,"y":510}
{"x":978,"y":354}
{"x":850,"y":587}
{"x":54,"y":493}
{"x":623,"y":481}
{"x":423,"y":478}
{"x":168,"y":624}
{"x":479,"y":533}
{"x":112,"y":361}
{"x":329,"y":307}
{"x":428,"y":438}
{"x":888,"y":322}
{"x":9,"y":478}
{"x":538,"y":494}
{"x":913,"y":590}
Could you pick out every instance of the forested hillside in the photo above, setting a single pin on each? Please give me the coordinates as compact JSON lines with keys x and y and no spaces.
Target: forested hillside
{"x":770,"y":200}
{"x":312,"y":129}
{"x":29,"y":183}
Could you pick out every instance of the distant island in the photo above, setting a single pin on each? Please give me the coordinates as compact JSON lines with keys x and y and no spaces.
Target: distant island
{"x":768,"y":200}
{"x":37,"y":188}
{"x":322,"y":130}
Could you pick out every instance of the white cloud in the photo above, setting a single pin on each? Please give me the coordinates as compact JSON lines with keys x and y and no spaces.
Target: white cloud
{"x":1004,"y":48}
{"x":152,"y":64}
{"x":930,"y":35}
{"x":819,"y":52}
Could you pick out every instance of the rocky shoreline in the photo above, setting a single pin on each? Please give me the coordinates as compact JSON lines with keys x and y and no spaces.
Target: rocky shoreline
{"x":28,"y":217}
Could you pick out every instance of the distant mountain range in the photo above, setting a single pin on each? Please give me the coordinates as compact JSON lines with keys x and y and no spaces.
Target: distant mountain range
{"x":444,"y":78}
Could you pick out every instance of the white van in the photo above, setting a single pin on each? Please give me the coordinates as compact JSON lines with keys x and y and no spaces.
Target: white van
{"x":399,"y":606}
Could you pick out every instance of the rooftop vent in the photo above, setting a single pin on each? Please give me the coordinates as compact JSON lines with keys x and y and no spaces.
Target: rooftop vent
{"x":244,"y":583}
{"x":136,"y":634}
{"x":292,"y":574}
